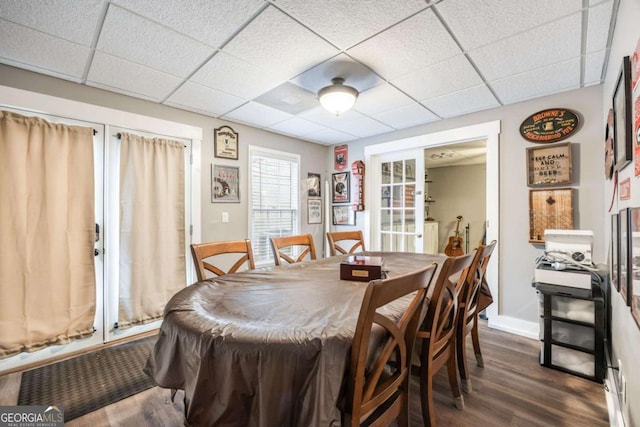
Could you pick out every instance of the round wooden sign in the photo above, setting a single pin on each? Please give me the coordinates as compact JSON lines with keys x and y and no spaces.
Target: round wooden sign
{"x":552,"y":125}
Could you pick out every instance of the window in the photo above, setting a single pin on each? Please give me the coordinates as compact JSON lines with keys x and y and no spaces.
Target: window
{"x":274,"y":199}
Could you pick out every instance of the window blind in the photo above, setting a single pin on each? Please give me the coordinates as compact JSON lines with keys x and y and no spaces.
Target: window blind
{"x":274,"y":200}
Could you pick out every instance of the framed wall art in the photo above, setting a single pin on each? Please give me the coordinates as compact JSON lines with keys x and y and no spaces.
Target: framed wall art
{"x":623,"y":258}
{"x":314,"y":211}
{"x":225,"y":184}
{"x":615,"y":250}
{"x":622,"y":125}
{"x":225,"y":143}
{"x":341,"y":186}
{"x":549,"y":209}
{"x":634,"y":255}
{"x":344,"y":215}
{"x":313,"y":185}
{"x":549,"y":165}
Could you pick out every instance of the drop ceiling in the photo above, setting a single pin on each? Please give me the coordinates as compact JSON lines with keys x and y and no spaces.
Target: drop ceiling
{"x":261,"y":62}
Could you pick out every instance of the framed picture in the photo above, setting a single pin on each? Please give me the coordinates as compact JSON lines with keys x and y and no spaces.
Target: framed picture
{"x":341,"y":157}
{"x":225,"y":184}
{"x":623,"y":258}
{"x":634,"y":284}
{"x":313,"y":185}
{"x":225,"y":143}
{"x":341,"y":187}
{"x":549,"y":209}
{"x":314,"y":211}
{"x":615,"y":250}
{"x":549,"y":165}
{"x":622,"y":125}
{"x":344,"y":215}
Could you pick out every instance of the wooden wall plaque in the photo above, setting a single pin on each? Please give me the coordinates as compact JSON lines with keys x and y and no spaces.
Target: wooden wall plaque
{"x":549,"y":209}
{"x":552,"y":125}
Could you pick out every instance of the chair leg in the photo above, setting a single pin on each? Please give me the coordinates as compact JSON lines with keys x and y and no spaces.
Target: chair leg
{"x":403,"y":417}
{"x":461,"y":337}
{"x":452,"y":371}
{"x":426,"y":396}
{"x":476,"y":342}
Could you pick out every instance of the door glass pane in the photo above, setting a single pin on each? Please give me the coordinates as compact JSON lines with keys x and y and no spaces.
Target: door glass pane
{"x":397,"y":220}
{"x":385,"y":195}
{"x":397,"y":172}
{"x":397,"y":242}
{"x":410,"y":221}
{"x":385,"y":242}
{"x":397,"y":195}
{"x":386,"y":173}
{"x":410,"y":170}
{"x":385,"y":220}
{"x":409,"y":196}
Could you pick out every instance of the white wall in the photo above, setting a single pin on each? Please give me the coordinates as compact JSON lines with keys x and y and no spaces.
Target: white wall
{"x":517,"y":297}
{"x":625,"y":332}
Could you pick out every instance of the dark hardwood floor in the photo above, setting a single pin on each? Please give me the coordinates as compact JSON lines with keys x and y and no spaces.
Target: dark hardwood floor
{"x":511,"y":390}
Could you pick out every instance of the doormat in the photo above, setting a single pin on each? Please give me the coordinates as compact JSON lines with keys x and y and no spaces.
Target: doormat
{"x":91,"y":381}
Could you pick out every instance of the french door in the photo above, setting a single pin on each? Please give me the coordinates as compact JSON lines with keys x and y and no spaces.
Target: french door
{"x":399,"y":189}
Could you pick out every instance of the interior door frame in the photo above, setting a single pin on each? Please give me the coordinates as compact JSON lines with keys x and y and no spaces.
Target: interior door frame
{"x":489,"y":131}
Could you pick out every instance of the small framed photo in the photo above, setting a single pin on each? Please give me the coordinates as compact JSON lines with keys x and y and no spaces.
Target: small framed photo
{"x":549,"y":165}
{"x":344,"y":215}
{"x":225,"y":143}
{"x":624,"y":269}
{"x":341,"y":187}
{"x":225,"y":184}
{"x":313,"y":185}
{"x":615,"y":251}
{"x":633,"y":296}
{"x":622,"y":124}
{"x":314,"y":211}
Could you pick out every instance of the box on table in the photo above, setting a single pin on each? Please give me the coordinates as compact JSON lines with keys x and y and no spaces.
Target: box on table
{"x":362,"y":268}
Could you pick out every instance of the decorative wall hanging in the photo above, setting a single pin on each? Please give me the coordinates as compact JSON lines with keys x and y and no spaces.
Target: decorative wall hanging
{"x":225,"y":143}
{"x":609,"y":153}
{"x":357,"y":170}
{"x":344,"y":215}
{"x":314,"y":211}
{"x":550,"y":125}
{"x":634,"y":256}
{"x":341,"y":187}
{"x":549,"y":165}
{"x":623,"y":256}
{"x":549,"y":209}
{"x":622,"y":126}
{"x":615,"y":250}
{"x":636,"y":134}
{"x":225,"y":184}
{"x":313,"y":185}
{"x":625,"y":189}
{"x":341,"y":158}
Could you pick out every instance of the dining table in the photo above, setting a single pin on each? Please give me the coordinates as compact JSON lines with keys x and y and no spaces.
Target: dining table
{"x":267,"y":347}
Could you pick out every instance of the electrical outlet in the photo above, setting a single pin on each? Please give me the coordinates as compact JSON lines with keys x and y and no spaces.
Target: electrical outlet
{"x":225,"y":216}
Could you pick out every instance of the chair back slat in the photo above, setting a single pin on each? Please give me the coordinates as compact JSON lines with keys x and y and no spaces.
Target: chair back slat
{"x":204,"y":253}
{"x":353,"y":238}
{"x":303,"y":242}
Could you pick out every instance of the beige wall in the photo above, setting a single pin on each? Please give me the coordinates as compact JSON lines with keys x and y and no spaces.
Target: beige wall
{"x":212,"y":227}
{"x":458,"y":190}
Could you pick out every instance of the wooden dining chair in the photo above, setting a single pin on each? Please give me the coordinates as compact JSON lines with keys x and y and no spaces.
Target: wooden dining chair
{"x":284,"y":248}
{"x":468,"y":313}
{"x":379,"y":369}
{"x":438,"y":332}
{"x":203,"y":254}
{"x":353,"y":238}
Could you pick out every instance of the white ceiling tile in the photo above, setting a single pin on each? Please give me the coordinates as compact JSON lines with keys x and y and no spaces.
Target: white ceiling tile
{"x":345,"y":23}
{"x":407,"y":116}
{"x":257,"y":114}
{"x":40,"y":52}
{"x":448,"y":76}
{"x":364,"y":127}
{"x":323,"y":117}
{"x":416,"y":43}
{"x":273,"y":41}
{"x":598,"y":26}
{"x":593,"y":65}
{"x":462,"y":102}
{"x":228,"y":74}
{"x":541,"y":46}
{"x":119,"y":75}
{"x":556,"y":78}
{"x":136,"y":39}
{"x":478,"y":23}
{"x":197,"y":18}
{"x":354,"y":74}
{"x":297,"y":126}
{"x":204,"y":99}
{"x":75,"y":21}
{"x":381,"y":98}
{"x":330,"y":136}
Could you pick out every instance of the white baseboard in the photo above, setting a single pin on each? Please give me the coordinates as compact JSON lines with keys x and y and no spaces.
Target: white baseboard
{"x":515,"y":326}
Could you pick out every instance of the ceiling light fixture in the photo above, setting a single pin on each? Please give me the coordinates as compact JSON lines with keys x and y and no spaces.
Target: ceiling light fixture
{"x":337,"y":98}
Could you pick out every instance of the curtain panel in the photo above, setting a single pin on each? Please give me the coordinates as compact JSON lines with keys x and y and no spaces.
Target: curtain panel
{"x":47,"y":225}
{"x":152,"y":227}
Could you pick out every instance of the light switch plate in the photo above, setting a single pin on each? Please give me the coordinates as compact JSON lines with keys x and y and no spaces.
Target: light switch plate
{"x":225,"y":216}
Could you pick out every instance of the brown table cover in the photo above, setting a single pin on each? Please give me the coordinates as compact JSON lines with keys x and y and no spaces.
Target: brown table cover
{"x":267,"y":347}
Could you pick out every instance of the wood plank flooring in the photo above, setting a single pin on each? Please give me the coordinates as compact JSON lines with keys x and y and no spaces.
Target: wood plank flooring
{"x":511,"y":390}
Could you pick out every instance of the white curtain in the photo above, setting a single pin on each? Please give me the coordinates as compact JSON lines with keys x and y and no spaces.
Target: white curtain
{"x":152,"y":230}
{"x":47,"y":274}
